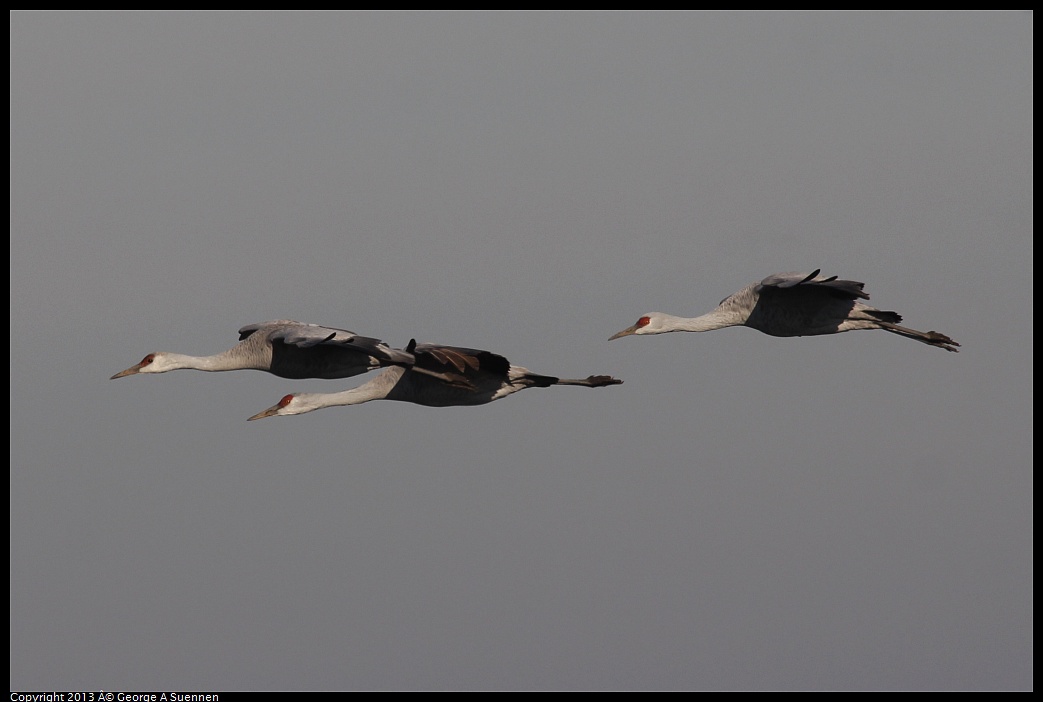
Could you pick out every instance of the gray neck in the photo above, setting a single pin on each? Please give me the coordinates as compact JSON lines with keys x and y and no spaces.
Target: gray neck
{"x":224,"y":361}
{"x":718,"y":319}
{"x":376,"y":389}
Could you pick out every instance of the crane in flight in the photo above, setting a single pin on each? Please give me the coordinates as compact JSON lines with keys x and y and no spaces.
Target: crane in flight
{"x":491,"y":376}
{"x":289,"y":349}
{"x":791,"y":304}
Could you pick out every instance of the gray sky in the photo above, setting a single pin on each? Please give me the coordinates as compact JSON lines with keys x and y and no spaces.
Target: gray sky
{"x":744,"y":512}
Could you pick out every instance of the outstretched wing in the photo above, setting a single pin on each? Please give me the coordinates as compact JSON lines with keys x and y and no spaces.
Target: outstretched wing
{"x":457,"y":362}
{"x":308,"y":336}
{"x":302,"y":350}
{"x":843,"y":289}
{"x":250,"y":329}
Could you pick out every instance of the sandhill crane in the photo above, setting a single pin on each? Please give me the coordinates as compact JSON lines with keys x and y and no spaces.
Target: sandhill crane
{"x":791,"y":304}
{"x":287,"y":349}
{"x":491,"y":375}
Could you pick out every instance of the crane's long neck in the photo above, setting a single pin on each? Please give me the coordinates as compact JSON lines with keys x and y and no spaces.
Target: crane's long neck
{"x":718,"y":319}
{"x":224,"y":361}
{"x":355,"y":396}
{"x":376,"y":389}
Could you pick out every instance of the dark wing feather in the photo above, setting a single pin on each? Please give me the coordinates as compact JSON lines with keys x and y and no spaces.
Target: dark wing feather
{"x":460,"y":360}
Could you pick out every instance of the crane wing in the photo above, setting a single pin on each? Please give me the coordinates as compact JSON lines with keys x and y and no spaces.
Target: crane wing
{"x":459,"y":361}
{"x":846,"y":289}
{"x":307,"y":336}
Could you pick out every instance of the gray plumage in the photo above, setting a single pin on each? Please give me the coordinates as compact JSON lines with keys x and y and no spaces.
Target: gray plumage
{"x":287,"y":349}
{"x":792,"y":304}
{"x":488,"y":375}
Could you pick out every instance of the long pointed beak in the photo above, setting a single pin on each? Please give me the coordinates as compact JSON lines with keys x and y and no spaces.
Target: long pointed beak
{"x":270,"y":412}
{"x":133,"y":370}
{"x":626,"y":332}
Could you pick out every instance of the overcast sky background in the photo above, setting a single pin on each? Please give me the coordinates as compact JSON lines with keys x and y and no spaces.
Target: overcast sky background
{"x":744,"y":512}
